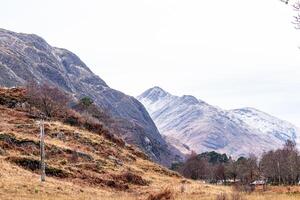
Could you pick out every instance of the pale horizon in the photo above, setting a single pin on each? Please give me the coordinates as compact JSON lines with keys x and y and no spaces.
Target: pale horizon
{"x":227,"y":57}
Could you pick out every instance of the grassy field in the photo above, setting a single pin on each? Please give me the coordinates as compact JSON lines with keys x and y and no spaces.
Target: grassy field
{"x":17,"y":183}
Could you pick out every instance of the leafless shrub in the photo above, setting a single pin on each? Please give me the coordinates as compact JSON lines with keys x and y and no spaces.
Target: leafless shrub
{"x":92,"y":124}
{"x":130,"y":177}
{"x":73,"y":118}
{"x":182,"y":188}
{"x":243,"y":188}
{"x":222,"y":196}
{"x":51,"y":101}
{"x":236,"y":196}
{"x":165,"y":194}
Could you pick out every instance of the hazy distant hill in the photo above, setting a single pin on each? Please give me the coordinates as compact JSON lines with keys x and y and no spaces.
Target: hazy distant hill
{"x":192,"y":124}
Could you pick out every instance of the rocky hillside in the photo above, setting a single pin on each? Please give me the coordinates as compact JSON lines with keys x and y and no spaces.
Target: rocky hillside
{"x":73,"y":156}
{"x":192,"y":124}
{"x":26,"y":57}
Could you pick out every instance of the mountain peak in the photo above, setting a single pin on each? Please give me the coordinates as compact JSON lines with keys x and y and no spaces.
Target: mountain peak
{"x":157,"y":89}
{"x":154,"y":93}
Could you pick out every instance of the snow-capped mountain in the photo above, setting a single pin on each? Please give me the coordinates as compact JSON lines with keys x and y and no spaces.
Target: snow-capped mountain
{"x":191,"y":124}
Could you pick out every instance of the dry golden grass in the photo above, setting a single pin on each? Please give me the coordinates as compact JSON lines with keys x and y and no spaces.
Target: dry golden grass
{"x":87,"y":180}
{"x":19,"y":137}
{"x":17,"y":183}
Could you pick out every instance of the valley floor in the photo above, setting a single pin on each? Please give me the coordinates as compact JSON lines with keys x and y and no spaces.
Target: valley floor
{"x":17,"y":183}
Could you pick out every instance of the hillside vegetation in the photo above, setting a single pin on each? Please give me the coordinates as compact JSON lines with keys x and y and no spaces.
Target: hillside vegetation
{"x":81,"y":164}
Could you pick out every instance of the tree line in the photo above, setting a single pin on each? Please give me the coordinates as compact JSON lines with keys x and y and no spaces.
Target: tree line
{"x":277,"y":167}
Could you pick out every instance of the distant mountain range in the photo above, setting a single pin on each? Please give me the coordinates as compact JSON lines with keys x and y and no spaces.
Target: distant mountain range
{"x":26,"y":57}
{"x":191,"y":124}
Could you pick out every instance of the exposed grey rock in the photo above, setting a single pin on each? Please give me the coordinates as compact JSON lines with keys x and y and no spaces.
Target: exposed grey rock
{"x":60,"y":136}
{"x":25,"y":57}
{"x":84,"y":155}
{"x":115,"y":160}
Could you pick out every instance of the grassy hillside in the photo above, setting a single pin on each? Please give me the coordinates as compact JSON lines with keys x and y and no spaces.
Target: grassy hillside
{"x":88,"y":165}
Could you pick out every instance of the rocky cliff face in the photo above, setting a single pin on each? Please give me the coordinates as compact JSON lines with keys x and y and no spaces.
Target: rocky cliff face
{"x":192,"y":124}
{"x":25,"y":57}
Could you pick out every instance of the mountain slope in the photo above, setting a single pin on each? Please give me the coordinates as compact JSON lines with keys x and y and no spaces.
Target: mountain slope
{"x":78,"y":161}
{"x":202,"y":127}
{"x":26,"y":57}
{"x":267,"y":125}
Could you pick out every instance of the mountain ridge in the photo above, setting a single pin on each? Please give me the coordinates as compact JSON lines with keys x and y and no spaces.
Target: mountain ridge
{"x":202,"y":127}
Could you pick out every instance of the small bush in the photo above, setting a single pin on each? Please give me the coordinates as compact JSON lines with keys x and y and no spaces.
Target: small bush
{"x":182,"y":188}
{"x":92,"y":124}
{"x":129,"y":177}
{"x":244,"y":188}
{"x":222,"y":196}
{"x":73,"y":118}
{"x":108,"y":183}
{"x":166,"y":194}
{"x":116,"y":185}
{"x":237,"y":196}
{"x":86,"y":102}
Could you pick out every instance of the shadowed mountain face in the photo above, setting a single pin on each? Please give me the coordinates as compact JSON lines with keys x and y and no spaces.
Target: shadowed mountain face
{"x":25,"y":57}
{"x":191,"y":124}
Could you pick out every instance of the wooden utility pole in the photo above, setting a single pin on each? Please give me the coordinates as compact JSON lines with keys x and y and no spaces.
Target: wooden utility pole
{"x":279,"y":171}
{"x":42,"y":150}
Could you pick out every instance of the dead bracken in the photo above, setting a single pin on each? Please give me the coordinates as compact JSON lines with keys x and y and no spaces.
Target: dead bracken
{"x":34,"y":165}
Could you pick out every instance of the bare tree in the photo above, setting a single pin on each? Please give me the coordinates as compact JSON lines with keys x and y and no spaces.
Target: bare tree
{"x":231,"y":169}
{"x":195,"y":168}
{"x":282,"y":166}
{"x":48,"y":99}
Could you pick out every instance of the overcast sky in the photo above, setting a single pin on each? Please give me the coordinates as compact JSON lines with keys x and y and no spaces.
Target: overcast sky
{"x":230,"y":53}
